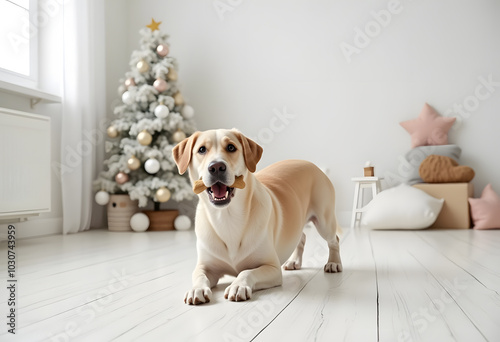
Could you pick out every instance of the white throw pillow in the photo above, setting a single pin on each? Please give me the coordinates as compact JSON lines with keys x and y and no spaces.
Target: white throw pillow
{"x":401,"y":207}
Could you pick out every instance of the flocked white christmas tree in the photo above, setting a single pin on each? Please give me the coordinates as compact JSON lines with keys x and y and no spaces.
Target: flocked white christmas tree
{"x":150,"y":121}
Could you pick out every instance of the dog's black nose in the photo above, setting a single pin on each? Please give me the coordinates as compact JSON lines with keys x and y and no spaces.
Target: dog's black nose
{"x":217,"y":168}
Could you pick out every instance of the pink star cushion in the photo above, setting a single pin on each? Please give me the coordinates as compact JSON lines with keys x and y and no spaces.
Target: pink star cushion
{"x":485,"y":211}
{"x":429,"y":128}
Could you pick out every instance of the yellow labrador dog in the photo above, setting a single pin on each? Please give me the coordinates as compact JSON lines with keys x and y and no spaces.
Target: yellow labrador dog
{"x":248,"y":225}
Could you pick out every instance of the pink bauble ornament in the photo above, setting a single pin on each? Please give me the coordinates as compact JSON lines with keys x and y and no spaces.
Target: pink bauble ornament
{"x":129,"y":82}
{"x":162,"y":50}
{"x":121,"y":178}
{"x":161,"y":85}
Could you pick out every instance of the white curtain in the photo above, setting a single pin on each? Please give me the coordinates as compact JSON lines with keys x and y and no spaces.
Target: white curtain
{"x":83,"y":109}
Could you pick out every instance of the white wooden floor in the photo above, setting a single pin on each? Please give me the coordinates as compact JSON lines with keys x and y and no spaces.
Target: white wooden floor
{"x":439,"y":285}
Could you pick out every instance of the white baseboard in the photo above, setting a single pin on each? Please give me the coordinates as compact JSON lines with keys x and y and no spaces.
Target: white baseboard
{"x":49,"y":226}
{"x":33,"y":228}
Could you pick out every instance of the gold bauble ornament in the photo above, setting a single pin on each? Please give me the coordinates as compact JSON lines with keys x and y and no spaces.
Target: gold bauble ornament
{"x":162,"y":194}
{"x":112,"y":132}
{"x":178,"y":136}
{"x":144,"y":138}
{"x":178,"y":99}
{"x":172,"y":74}
{"x":133,"y":163}
{"x":121,"y":178}
{"x":142,"y":65}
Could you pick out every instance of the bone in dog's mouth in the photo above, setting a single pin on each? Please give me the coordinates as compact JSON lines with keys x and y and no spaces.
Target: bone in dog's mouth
{"x":220,"y":193}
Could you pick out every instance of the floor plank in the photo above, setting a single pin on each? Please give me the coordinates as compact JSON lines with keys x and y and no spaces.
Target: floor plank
{"x":418,"y":291}
{"x":340,"y":306}
{"x":431,"y":285}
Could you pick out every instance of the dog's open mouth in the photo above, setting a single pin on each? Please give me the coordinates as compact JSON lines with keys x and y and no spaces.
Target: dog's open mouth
{"x":220,"y":194}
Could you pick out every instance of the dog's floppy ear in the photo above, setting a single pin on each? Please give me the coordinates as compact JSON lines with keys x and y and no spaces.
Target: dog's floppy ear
{"x":251,"y":151}
{"x":183,"y":151}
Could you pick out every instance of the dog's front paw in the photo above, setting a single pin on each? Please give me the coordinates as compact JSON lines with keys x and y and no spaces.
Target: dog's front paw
{"x":198,"y":296}
{"x":238,"y":293}
{"x":333,"y":267}
{"x":292,"y":265}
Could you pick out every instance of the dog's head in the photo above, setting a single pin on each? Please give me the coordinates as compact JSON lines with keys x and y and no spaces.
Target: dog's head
{"x":217,"y":157}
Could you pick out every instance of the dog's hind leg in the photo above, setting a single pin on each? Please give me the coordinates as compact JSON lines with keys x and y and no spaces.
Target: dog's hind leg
{"x":334,"y":263}
{"x":328,"y":231}
{"x":295,"y":260}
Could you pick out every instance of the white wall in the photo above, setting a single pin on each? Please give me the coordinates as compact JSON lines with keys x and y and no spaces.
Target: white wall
{"x":259,"y":59}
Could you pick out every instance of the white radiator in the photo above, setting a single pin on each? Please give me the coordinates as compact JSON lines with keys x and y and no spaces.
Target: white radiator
{"x":24,"y":165}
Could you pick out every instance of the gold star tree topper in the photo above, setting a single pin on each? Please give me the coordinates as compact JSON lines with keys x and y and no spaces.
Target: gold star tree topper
{"x":154,"y":25}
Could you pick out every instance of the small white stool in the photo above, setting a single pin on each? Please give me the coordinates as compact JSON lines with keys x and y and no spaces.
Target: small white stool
{"x":362,"y":183}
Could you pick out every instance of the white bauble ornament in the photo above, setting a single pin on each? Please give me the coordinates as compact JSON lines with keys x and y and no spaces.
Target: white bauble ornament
{"x":179,"y":136}
{"x":139,"y":222}
{"x":182,"y":222}
{"x":127,"y":98}
{"x":161,"y":111}
{"x":187,"y":112}
{"x":152,"y":166}
{"x":144,"y":138}
{"x":162,"y":194}
{"x":102,"y":197}
{"x":133,"y":163}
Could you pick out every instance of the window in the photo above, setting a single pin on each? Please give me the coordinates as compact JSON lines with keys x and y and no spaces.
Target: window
{"x":18,"y":42}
